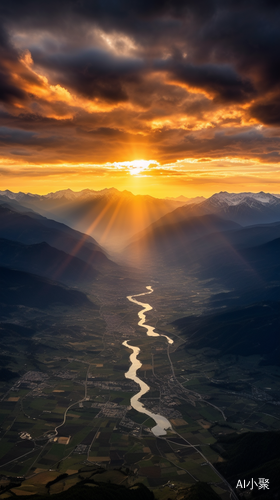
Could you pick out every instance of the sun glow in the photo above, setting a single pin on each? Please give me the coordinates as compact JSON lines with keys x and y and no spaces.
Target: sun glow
{"x":138,"y":166}
{"x":135,"y":167}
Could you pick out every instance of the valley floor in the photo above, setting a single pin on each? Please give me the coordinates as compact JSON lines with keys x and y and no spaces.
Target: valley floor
{"x":68,"y":409}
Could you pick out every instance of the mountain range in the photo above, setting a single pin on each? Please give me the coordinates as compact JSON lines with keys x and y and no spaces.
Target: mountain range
{"x":114,"y":218}
{"x":185,"y":200}
{"x":109,"y":215}
{"x":38,"y":256}
{"x":209,"y":238}
{"x":205,"y":238}
{"x":244,"y":208}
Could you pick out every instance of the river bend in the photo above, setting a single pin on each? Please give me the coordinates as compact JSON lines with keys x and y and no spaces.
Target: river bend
{"x":161,"y":422}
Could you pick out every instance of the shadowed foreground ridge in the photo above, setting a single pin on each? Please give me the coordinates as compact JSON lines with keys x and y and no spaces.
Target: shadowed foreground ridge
{"x":88,"y":489}
{"x":244,"y":327}
{"x":251,"y":455}
{"x":20,"y":288}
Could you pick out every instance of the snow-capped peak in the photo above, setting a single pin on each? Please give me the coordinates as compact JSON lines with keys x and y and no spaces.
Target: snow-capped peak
{"x":17,"y":196}
{"x":75,"y":195}
{"x":230,"y":199}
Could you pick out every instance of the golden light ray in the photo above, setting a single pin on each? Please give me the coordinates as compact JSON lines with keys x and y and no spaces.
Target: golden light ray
{"x":98,"y":219}
{"x":111,"y":220}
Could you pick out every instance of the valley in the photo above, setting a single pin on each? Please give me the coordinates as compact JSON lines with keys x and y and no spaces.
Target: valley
{"x":66,"y":410}
{"x":69,"y":412}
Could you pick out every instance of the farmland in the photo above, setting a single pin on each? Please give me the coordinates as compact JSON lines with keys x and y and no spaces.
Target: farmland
{"x":68,"y":408}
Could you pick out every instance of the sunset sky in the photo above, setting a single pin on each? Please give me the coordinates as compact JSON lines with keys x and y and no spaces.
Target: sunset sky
{"x":90,"y":88}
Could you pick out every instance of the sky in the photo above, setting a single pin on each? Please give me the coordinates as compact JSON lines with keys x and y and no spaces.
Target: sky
{"x":160,"y":97}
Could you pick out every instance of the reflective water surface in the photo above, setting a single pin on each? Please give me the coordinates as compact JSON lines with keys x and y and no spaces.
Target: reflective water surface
{"x":162,"y":422}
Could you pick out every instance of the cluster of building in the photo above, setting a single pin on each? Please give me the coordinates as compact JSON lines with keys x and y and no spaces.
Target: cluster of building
{"x":34,"y":380}
{"x":110,"y":409}
{"x":65,"y":374}
{"x":113,"y":386}
{"x":129,"y":424}
{"x":81,"y":449}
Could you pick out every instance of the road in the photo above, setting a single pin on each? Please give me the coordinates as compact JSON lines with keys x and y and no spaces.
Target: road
{"x":150,"y":331}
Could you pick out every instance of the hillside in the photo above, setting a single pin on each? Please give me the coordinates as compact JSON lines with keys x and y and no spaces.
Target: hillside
{"x":168,"y":240}
{"x":32,"y":228}
{"x":251,"y":455}
{"x":243,"y":331}
{"x":45,"y":260}
{"x":18,"y":288}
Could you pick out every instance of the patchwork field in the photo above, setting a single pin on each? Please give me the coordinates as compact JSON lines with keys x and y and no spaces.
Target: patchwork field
{"x":68,"y":409}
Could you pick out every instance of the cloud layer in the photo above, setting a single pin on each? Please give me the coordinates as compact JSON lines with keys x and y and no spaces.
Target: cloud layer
{"x":105,"y":81}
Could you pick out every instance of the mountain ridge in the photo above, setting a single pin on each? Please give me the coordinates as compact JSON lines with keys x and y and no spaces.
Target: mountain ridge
{"x":113,"y":217}
{"x":44,"y":260}
{"x":19,"y":288}
{"x":31,"y":229}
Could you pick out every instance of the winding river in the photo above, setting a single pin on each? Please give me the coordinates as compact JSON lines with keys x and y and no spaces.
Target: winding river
{"x":161,"y":422}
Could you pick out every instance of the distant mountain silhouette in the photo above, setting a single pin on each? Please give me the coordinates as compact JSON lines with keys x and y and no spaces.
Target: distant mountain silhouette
{"x":110,"y":216}
{"x":185,"y":200}
{"x":114,"y":217}
{"x":7,"y":202}
{"x":45,"y":260}
{"x":244,"y":208}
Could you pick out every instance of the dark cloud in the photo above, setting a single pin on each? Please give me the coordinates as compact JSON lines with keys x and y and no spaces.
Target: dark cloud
{"x":20,"y":152}
{"x":8,"y":58}
{"x":220,"y":80}
{"x":231,"y":47}
{"x":158,"y":69}
{"x":52,"y":171}
{"x":8,"y":91}
{"x":34,"y":122}
{"x":93,"y":73}
{"x":247,"y":144}
{"x":104,"y":131}
{"x":106,"y":10}
{"x":267,"y":112}
{"x":13,"y":136}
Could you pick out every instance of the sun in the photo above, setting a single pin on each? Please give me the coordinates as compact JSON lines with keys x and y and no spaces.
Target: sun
{"x":135,"y":167}
{"x":138,"y":166}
